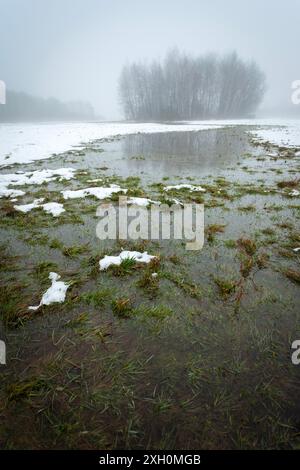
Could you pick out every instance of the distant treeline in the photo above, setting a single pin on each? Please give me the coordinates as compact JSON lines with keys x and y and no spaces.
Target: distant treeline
{"x":183,"y":87}
{"x":24,"y":107}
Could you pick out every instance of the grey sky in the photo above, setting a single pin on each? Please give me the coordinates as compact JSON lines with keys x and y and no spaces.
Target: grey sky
{"x":74,"y":49}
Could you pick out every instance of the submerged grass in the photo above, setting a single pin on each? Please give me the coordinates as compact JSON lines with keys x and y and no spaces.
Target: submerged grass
{"x":93,"y":372}
{"x":226,"y":286}
{"x":13,"y":310}
{"x":293,"y":274}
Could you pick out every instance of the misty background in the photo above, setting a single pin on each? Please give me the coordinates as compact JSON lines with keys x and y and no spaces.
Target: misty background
{"x":74,"y":50}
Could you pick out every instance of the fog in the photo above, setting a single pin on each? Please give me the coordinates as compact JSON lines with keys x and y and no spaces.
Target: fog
{"x":75,"y":49}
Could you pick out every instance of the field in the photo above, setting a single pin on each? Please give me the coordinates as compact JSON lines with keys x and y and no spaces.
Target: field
{"x":196,"y":356}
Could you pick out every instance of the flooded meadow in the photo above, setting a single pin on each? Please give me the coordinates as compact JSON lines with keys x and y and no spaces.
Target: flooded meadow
{"x":191,"y":350}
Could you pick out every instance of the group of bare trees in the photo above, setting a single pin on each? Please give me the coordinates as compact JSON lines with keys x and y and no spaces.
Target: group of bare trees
{"x":183,"y":87}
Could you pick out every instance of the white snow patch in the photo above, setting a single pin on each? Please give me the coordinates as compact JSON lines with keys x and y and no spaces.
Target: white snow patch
{"x":55,"y":294}
{"x":185,"y":186}
{"x":144,"y":201}
{"x":4,"y":192}
{"x":54,"y":208}
{"x":284,"y":133}
{"x":296,"y":249}
{"x":98,"y":192}
{"x":141,"y":201}
{"x":294,"y":193}
{"x":28,"y":207}
{"x":31,"y":177}
{"x":107,"y":261}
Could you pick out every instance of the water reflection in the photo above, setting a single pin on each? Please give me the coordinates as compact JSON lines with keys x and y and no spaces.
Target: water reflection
{"x":171,"y":152}
{"x":153,"y":156}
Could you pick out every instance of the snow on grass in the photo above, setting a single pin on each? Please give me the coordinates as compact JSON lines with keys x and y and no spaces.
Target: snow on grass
{"x":294,"y":193}
{"x":296,"y":249}
{"x":284,"y":133}
{"x":98,"y":192}
{"x":28,"y":207}
{"x":103,"y":193}
{"x":54,"y":208}
{"x":55,"y":294}
{"x":191,"y":187}
{"x":108,"y":261}
{"x":37,"y":177}
{"x":141,"y":201}
{"x":11,"y":193}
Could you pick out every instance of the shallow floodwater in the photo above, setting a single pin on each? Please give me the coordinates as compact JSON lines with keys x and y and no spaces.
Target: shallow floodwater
{"x":201,"y":358}
{"x":173,"y":154}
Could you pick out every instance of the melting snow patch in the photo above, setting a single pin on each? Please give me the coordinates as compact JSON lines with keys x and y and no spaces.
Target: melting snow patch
{"x":141,"y":201}
{"x":4,"y":192}
{"x":294,"y":193}
{"x":55,"y":294}
{"x":99,"y":193}
{"x":144,"y":201}
{"x":284,"y":133}
{"x":185,"y":186}
{"x":32,"y":177}
{"x":107,"y":261}
{"x":296,"y":249}
{"x":28,"y":207}
{"x":54,"y":208}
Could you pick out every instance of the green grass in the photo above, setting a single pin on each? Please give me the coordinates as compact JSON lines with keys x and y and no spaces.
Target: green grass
{"x":159,"y":312}
{"x":12,"y":308}
{"x":127,"y":266}
{"x":97,"y":298}
{"x":226,"y":286}
{"x":212,"y":229}
{"x":293,"y":274}
{"x":188,"y":287}
{"x":246,"y":266}
{"x":230,"y":243}
{"x":56,"y":244}
{"x":122,"y":307}
{"x":149,"y":282}
{"x":42,"y":270}
{"x":75,"y":250}
{"x":250,"y":208}
{"x":24,"y":389}
{"x":248,"y":245}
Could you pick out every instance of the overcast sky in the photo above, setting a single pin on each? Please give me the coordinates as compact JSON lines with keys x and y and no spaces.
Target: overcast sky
{"x":75,"y":49}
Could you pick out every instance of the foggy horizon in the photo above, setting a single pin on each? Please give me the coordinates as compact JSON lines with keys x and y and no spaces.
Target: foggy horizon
{"x":75,"y":51}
